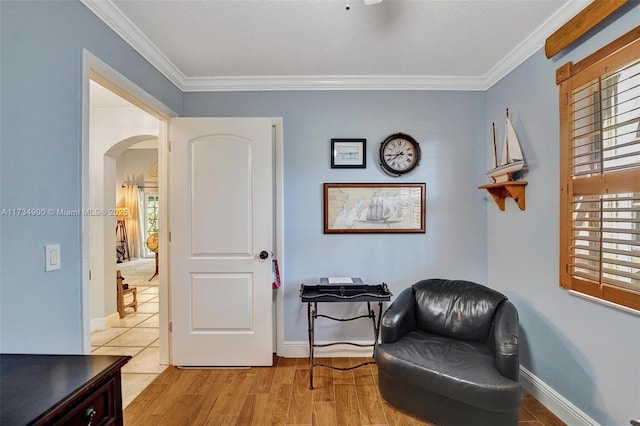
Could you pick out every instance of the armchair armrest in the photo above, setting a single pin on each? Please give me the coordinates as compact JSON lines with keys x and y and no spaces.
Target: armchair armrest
{"x":399,"y":318}
{"x":505,"y":340}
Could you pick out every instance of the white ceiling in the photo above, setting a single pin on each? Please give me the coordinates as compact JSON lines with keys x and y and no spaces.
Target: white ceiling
{"x":318,"y":44}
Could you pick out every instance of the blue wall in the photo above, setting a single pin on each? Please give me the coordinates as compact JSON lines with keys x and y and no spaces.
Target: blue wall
{"x":450,"y":129}
{"x":41,"y":48}
{"x":585,"y":351}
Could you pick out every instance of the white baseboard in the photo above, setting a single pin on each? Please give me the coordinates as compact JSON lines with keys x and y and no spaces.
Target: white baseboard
{"x":556,"y":403}
{"x":300,"y":349}
{"x":99,"y":324}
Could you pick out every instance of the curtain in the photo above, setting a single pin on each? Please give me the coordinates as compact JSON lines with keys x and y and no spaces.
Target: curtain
{"x":131,"y":201}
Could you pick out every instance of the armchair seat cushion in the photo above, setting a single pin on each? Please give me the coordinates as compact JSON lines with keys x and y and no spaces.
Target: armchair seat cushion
{"x":458,"y":369}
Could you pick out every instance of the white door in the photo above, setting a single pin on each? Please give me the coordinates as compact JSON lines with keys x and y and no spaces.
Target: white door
{"x":221,"y":185}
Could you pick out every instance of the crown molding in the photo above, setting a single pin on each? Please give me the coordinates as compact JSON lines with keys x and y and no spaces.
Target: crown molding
{"x":332,"y":82}
{"x":118,"y":22}
{"x":533,"y":43}
{"x":130,"y":33}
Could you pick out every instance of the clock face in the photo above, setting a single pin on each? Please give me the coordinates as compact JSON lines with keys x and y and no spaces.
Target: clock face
{"x":399,"y":154}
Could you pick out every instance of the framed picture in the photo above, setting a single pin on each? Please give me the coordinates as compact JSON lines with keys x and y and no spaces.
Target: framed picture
{"x":348,"y":153}
{"x":372,"y":208}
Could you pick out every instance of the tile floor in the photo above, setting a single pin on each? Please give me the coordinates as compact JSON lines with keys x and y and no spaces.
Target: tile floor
{"x":137,"y":335}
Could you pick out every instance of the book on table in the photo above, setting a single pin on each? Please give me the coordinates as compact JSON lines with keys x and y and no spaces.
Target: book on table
{"x":340,"y":280}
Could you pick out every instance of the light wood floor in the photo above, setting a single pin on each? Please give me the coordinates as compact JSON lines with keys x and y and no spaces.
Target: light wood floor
{"x":280,"y":395}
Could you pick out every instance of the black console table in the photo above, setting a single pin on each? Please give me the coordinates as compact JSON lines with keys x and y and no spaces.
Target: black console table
{"x":351,"y":293}
{"x":61,"y":389}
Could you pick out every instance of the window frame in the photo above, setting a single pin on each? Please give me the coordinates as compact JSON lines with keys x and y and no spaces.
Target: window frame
{"x":145,"y":215}
{"x":622,"y":51}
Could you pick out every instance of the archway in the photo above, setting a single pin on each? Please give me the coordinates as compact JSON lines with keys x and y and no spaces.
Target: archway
{"x":102,"y":238}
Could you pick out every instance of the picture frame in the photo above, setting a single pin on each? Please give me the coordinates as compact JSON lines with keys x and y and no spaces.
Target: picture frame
{"x":374,"y":208}
{"x":348,"y":153}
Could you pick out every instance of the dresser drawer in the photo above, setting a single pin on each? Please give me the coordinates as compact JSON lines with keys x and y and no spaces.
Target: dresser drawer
{"x":98,"y":408}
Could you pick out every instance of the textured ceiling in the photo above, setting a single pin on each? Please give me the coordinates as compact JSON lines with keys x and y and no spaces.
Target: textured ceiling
{"x":453,"y":39}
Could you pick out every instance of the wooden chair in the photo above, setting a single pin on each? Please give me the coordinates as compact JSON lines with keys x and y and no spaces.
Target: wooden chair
{"x":124,"y":289}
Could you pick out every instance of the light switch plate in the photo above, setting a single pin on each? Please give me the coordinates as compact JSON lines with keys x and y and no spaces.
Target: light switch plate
{"x":51,"y":257}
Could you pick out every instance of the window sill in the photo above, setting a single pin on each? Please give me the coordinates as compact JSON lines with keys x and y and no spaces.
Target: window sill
{"x":604,"y":302}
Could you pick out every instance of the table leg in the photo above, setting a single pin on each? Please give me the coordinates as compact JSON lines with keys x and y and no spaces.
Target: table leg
{"x":376,"y":327}
{"x":311,"y":324}
{"x":372,"y":315}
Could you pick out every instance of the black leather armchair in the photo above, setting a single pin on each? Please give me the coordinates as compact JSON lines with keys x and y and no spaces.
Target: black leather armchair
{"x":449,"y":354}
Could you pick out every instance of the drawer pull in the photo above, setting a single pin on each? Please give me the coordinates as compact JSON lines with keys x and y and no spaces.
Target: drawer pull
{"x":88,"y":415}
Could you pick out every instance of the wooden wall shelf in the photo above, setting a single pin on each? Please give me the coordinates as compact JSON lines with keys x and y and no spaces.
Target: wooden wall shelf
{"x":502,"y":190}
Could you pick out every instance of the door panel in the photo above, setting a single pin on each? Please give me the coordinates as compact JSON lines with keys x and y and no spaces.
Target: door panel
{"x":209,"y":312}
{"x":214,"y":160}
{"x":220,"y":220}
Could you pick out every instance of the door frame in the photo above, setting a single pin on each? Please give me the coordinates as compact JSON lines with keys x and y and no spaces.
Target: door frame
{"x":94,"y":68}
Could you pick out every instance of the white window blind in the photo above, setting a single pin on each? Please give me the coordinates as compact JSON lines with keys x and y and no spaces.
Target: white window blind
{"x":606,"y":123}
{"x":600,"y":169}
{"x":605,"y":237}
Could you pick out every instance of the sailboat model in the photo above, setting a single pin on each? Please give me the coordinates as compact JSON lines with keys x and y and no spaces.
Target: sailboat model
{"x":512,"y":159}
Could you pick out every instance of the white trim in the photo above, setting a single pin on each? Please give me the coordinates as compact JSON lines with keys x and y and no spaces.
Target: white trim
{"x":154,"y":106}
{"x":85,"y":326}
{"x":99,"y":324}
{"x":604,"y":302}
{"x":556,"y":403}
{"x":279,"y":222}
{"x":92,"y":65}
{"x":332,"y":82}
{"x":164,"y":284}
{"x":532,"y":44}
{"x":300,"y":349}
{"x":118,"y":22}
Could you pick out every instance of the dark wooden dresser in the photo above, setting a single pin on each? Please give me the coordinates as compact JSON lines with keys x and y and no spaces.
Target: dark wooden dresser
{"x":61,"y":389}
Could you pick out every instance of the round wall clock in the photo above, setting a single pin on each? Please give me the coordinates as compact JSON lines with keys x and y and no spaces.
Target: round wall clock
{"x":399,"y":154}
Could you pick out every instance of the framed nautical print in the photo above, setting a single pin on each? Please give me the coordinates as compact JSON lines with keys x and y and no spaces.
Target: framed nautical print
{"x":348,"y":153}
{"x":374,"y":208}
